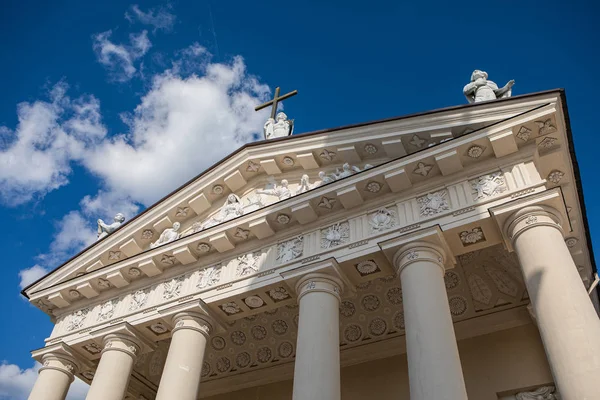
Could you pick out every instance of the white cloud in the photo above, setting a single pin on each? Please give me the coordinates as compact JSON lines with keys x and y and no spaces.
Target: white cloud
{"x":16,"y":383}
{"x":182,"y":116}
{"x":30,"y":275}
{"x":119,"y":59}
{"x":159,"y":18}
{"x":35,"y":157}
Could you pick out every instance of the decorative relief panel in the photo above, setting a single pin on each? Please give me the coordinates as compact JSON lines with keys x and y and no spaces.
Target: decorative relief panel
{"x":138,"y":299}
{"x":383,"y":219}
{"x":208,"y":277}
{"x":290,"y":249}
{"x":172,"y":288}
{"x":107,"y":310}
{"x":472,"y":236}
{"x":77,"y":319}
{"x":335,"y":235}
{"x":433,"y":203}
{"x":488,"y":185}
{"x":247,"y":264}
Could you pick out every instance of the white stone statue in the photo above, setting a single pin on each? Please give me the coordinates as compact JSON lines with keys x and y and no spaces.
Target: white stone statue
{"x":104,"y":229}
{"x":346,"y":171}
{"x":304,"y":185}
{"x":167,"y":236}
{"x":542,"y":393}
{"x":281,"y":126}
{"x":232,"y":208}
{"x":281,"y":191}
{"x":481,"y":89}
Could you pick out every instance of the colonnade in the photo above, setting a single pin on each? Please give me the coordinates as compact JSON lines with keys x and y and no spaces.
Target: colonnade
{"x":569,"y":328}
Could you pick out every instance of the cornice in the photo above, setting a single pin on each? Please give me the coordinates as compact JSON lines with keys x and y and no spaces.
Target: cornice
{"x":436,"y":120}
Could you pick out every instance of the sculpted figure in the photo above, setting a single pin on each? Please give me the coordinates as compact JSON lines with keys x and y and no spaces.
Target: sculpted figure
{"x":168,"y":235}
{"x":231,"y":209}
{"x":278,"y":127}
{"x":543,"y":393}
{"x":304,"y":185}
{"x":481,"y":89}
{"x":105,"y":229}
{"x":325,"y":178}
{"x":281,"y":191}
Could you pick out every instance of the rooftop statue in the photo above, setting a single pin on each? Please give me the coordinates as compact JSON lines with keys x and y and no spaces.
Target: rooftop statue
{"x":481,"y":89}
{"x":281,"y":126}
{"x":304,"y":186}
{"x":168,"y":235}
{"x":105,"y":229}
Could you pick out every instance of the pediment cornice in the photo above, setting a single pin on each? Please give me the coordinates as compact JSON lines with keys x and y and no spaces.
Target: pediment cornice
{"x":394,"y":174}
{"x":396,"y":177}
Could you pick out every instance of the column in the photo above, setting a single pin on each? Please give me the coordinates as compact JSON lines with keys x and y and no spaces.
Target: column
{"x":434,"y":368}
{"x":317,"y":367}
{"x":114,"y":370}
{"x":181,"y":376}
{"x":568,"y":324}
{"x":54,"y":379}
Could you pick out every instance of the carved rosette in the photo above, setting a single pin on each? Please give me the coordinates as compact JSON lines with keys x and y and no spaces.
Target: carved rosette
{"x":419,"y":252}
{"x":319,"y":283}
{"x":194,"y":321}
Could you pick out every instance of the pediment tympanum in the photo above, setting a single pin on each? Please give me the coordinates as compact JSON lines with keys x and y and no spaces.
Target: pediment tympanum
{"x":245,"y":200}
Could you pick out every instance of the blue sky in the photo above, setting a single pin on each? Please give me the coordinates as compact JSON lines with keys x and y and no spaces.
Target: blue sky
{"x":117,"y":103}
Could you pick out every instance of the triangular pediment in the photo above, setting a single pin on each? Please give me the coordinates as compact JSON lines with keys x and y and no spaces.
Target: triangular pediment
{"x":360,"y":163}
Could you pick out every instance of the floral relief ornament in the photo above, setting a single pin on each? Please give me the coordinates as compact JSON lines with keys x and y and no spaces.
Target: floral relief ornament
{"x":423,"y":169}
{"x":279,"y":294}
{"x":168,"y":260}
{"x":475,"y":151}
{"x":203,"y":247}
{"x":138,"y":299}
{"x":114,"y":255}
{"x":473,"y":236}
{"x":555,"y":176}
{"x":230,"y":308}
{"x":147,"y":234}
{"x":524,"y":133}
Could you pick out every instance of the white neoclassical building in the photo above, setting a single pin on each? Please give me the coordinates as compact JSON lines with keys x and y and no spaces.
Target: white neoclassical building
{"x":437,"y":256}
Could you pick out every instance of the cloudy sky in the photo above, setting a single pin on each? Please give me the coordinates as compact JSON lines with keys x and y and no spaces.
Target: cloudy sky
{"x":108,"y":106}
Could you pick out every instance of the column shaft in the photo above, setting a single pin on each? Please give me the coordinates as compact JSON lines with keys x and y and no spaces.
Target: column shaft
{"x":567,"y":321}
{"x":183,"y":367}
{"x":434,"y":367}
{"x":114,"y":370}
{"x":317,"y":367}
{"x":54,"y":379}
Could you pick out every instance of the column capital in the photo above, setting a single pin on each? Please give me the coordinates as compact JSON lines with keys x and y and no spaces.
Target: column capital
{"x":530,"y":217}
{"x":60,"y":362}
{"x":128,"y":344}
{"x":193,"y":320}
{"x":316,"y":282}
{"x":419,"y":251}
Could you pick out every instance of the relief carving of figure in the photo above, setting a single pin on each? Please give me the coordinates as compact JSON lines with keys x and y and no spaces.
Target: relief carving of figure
{"x":481,"y":89}
{"x":281,"y":191}
{"x":346,"y":171}
{"x":304,"y":185}
{"x":106,"y":229}
{"x":232,"y":208}
{"x":167,"y":236}
{"x":281,"y":126}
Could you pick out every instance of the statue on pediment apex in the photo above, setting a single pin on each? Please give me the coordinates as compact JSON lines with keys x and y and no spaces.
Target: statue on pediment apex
{"x":281,"y":126}
{"x":167,"y":236}
{"x":482,"y":89}
{"x":106,"y":229}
